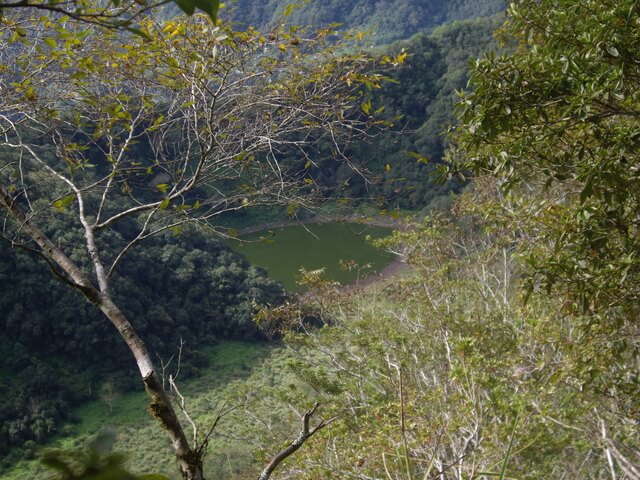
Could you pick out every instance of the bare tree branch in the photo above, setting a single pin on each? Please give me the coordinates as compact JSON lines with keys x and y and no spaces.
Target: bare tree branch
{"x":305,"y":434}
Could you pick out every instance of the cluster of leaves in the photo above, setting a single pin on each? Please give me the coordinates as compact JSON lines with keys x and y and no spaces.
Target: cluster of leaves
{"x":97,"y":462}
{"x":112,"y":14}
{"x":555,"y":121}
{"x":558,"y":116}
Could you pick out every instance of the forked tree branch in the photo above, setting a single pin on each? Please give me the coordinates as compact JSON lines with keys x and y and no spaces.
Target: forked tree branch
{"x":305,"y":434}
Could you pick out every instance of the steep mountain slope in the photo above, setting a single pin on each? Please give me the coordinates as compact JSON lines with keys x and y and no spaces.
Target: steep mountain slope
{"x":391,"y":20}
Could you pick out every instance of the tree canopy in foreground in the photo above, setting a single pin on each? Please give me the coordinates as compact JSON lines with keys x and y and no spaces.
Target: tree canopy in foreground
{"x":140,"y":135}
{"x":559,"y":115}
{"x":555,"y":121}
{"x":111,"y":14}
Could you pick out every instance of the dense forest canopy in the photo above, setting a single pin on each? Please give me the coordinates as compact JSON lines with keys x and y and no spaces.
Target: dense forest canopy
{"x":386,"y":21}
{"x":191,"y":289}
{"x":421,"y":102}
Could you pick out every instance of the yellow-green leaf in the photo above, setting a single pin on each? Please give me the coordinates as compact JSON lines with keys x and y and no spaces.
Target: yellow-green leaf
{"x":64,"y":202}
{"x":51,"y":42}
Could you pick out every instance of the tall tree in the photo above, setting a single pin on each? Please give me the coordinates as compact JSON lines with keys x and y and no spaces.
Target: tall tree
{"x":560,"y":112}
{"x":142,"y":135}
{"x":555,"y":120}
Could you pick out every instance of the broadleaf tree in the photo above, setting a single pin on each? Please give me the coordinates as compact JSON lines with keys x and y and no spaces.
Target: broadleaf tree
{"x":143,"y":134}
{"x":560,"y":112}
{"x":555,"y":120}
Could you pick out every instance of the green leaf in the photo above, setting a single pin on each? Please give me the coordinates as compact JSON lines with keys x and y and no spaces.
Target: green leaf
{"x":164,"y":204}
{"x":503,"y":470}
{"x":210,"y":7}
{"x":64,"y":202}
{"x":186,"y":6}
{"x":162,"y":187}
{"x":79,"y":75}
{"x":55,"y":463}
{"x":290,"y":9}
{"x":419,"y":157}
{"x":139,"y":32}
{"x":51,"y":42}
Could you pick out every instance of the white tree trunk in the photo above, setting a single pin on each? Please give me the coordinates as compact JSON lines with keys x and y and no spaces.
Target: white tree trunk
{"x":160,"y":407}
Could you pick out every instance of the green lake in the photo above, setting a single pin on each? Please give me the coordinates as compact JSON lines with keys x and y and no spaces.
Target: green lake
{"x":284,"y":251}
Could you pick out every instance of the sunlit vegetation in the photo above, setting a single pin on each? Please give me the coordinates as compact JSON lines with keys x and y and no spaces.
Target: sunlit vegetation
{"x":508,"y":348}
{"x":234,"y":368}
{"x":449,"y":369}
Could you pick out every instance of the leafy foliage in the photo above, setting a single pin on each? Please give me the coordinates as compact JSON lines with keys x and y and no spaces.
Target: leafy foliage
{"x":447,"y":373}
{"x":112,"y":14}
{"x":421,"y":104}
{"x":97,"y":463}
{"x":558,"y":115}
{"x":554,"y":121}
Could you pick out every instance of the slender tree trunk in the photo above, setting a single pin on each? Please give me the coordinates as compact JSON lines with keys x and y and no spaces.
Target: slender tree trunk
{"x":160,"y":407}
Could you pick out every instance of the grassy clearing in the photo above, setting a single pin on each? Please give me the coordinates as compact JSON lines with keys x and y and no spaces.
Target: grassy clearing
{"x":236,"y":370}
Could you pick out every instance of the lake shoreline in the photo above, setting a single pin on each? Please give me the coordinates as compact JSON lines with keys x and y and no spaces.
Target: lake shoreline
{"x":394,"y":223}
{"x":394,"y":267}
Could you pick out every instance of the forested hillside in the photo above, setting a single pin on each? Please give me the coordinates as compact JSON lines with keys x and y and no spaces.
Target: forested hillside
{"x":504,"y":345}
{"x":421,"y":103}
{"x":387,"y":21}
{"x":191,"y":289}
{"x":418,"y":102}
